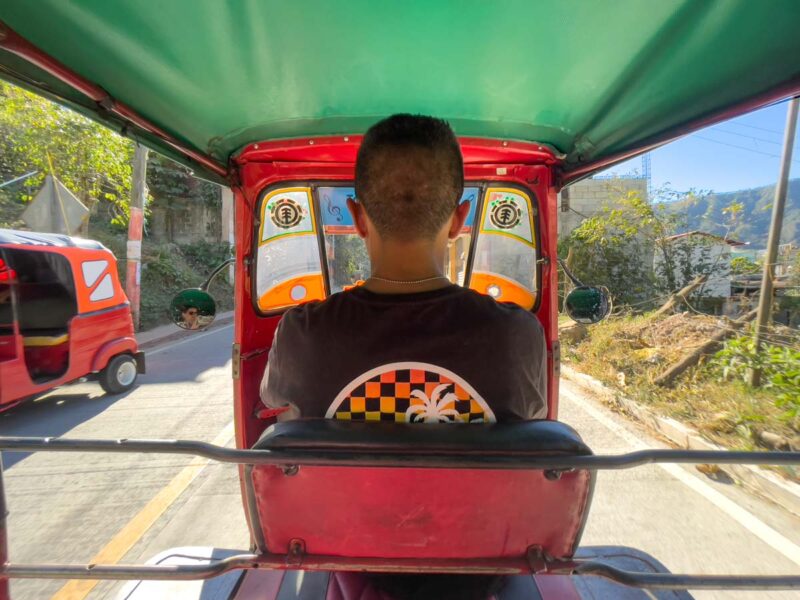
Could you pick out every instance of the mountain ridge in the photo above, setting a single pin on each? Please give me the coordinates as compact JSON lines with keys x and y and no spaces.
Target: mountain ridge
{"x":704,"y":213}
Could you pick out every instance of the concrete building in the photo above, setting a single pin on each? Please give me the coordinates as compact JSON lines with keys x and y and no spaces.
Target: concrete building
{"x":587,"y":198}
{"x":694,"y":253}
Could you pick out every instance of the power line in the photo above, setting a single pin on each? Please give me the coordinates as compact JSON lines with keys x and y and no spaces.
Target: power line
{"x":775,"y":131}
{"x":741,"y":147}
{"x":749,"y":137}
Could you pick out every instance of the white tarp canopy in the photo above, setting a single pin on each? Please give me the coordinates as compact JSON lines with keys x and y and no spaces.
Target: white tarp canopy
{"x":55,"y":209}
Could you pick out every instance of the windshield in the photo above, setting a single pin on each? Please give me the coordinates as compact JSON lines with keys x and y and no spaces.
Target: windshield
{"x":308,"y":247}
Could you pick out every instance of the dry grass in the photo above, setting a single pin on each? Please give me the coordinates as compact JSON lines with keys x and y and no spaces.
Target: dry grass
{"x":627,"y":353}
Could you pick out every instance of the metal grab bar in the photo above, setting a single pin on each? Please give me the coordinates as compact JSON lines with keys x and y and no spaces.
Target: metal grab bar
{"x":411,"y":457}
{"x":677,"y":581}
{"x":408,"y":457}
{"x":509,"y":566}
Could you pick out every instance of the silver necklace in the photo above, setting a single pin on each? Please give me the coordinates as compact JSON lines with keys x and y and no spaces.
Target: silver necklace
{"x":402,"y":282}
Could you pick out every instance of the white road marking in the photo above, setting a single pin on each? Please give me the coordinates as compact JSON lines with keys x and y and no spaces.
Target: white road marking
{"x":746,"y":519}
{"x":190,"y":338}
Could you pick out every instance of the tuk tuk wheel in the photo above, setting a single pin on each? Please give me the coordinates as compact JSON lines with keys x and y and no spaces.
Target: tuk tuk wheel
{"x":119,"y":374}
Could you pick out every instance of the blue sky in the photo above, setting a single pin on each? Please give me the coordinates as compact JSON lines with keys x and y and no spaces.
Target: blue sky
{"x":734,"y":155}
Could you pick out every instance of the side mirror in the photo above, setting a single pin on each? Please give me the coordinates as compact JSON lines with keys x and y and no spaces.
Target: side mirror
{"x":193,"y":309}
{"x":587,"y":305}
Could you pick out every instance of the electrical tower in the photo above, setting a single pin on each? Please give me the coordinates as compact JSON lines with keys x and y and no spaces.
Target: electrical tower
{"x":646,"y":174}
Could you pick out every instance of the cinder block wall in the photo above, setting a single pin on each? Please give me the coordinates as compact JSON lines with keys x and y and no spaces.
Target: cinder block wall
{"x":587,"y":198}
{"x":185,"y":222}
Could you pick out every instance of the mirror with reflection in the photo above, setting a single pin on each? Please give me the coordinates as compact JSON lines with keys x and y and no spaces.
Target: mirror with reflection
{"x":193,"y":309}
{"x":587,"y":305}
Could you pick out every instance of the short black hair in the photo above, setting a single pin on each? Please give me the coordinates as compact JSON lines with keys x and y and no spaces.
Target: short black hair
{"x":409,"y":175}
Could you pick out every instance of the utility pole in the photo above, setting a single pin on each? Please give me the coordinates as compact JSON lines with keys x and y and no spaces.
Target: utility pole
{"x":765,"y":299}
{"x":133,"y":274}
{"x":227,"y":224}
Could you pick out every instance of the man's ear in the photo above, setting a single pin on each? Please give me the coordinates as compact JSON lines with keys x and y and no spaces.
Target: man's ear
{"x":459,"y":218}
{"x":359,"y":217}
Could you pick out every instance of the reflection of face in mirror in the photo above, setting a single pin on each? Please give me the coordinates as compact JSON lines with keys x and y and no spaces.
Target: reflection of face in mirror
{"x":587,"y":305}
{"x":193,"y":309}
{"x":189,"y":318}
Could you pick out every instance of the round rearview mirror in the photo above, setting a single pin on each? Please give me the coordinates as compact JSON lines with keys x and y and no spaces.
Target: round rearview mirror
{"x":587,"y":305}
{"x":193,"y":309}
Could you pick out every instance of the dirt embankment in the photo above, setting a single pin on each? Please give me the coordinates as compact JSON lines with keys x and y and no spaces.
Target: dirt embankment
{"x":630,"y":353}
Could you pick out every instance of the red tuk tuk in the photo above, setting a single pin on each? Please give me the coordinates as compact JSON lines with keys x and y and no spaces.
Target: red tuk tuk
{"x":271,"y":100}
{"x":63,"y":316}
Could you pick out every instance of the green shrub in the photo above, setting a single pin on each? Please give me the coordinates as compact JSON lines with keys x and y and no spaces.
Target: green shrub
{"x":206,"y":255}
{"x":780,"y":368}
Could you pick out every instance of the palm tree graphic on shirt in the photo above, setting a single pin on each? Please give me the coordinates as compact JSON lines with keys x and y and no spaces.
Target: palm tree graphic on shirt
{"x":438,"y":408}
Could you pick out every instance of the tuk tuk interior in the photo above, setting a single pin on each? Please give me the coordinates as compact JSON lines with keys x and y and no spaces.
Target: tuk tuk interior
{"x":271,"y":100}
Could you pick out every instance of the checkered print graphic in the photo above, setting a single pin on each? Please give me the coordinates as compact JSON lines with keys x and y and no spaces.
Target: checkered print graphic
{"x":410,"y":395}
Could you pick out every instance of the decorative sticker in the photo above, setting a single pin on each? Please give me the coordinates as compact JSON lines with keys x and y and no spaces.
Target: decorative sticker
{"x":410,"y":392}
{"x":286,"y":212}
{"x":471,"y":194}
{"x":336,"y":217}
{"x":507,"y":212}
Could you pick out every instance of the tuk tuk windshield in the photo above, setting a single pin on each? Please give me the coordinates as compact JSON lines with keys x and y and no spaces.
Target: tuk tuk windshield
{"x":308,"y":247}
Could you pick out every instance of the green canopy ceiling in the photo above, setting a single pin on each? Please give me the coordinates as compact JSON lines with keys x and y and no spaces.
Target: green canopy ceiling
{"x":591,"y":78}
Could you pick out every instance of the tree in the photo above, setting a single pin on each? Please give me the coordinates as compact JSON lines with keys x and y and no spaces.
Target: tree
{"x":741,"y":265}
{"x":615,"y":247}
{"x":171,"y":185}
{"x":90,"y":159}
{"x":794,"y":274}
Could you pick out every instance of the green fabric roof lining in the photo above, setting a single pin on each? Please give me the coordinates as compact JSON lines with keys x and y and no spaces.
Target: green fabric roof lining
{"x":592,"y":79}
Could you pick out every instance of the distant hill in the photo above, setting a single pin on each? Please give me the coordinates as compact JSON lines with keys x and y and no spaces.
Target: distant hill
{"x":705,"y":213}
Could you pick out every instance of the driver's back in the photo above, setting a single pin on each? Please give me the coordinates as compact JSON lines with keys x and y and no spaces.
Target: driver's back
{"x":446,"y":355}
{"x":408,"y":345}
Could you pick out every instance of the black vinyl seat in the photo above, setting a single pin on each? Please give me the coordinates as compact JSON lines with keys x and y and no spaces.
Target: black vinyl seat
{"x":540,"y":438}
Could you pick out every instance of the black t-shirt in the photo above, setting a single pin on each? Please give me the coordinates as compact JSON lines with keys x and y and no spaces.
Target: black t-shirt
{"x":445,"y":355}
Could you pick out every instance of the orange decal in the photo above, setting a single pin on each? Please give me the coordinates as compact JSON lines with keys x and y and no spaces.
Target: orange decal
{"x":297,"y":290}
{"x":502,"y":289}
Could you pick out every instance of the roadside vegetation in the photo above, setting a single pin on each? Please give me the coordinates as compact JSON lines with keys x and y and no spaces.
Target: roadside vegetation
{"x":629,"y":352}
{"x":675,"y":352}
{"x":168,"y":268}
{"x":38,"y":137}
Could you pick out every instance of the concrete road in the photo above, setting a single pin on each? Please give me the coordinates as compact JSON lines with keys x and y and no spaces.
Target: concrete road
{"x":678,"y":515}
{"x":72,"y":507}
{"x":107,"y":508}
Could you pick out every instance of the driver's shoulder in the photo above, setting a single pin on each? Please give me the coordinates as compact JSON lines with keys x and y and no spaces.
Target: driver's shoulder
{"x":500,"y":312}
{"x":312,"y":314}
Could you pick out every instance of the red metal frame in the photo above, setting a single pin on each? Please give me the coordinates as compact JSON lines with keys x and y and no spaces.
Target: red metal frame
{"x":396,"y":513}
{"x":332,"y":158}
{"x":5,"y":592}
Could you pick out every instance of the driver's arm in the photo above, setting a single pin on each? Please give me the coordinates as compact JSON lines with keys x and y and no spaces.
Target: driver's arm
{"x":277,"y":377}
